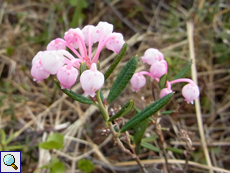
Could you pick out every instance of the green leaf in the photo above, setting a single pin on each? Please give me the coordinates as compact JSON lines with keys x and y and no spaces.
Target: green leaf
{"x":175,"y":150}
{"x":58,"y":167}
{"x":74,"y":95}
{"x":10,"y":138}
{"x":149,"y":146}
{"x":123,"y":111}
{"x":147,"y":112}
{"x":83,"y":67}
{"x":56,"y":137}
{"x":85,"y":165}
{"x":15,"y":147}
{"x":184,"y":70}
{"x":150,"y":139}
{"x":98,"y":65}
{"x":167,"y":112}
{"x":140,"y":130}
{"x":54,"y":141}
{"x":116,"y":61}
{"x":163,"y":81}
{"x":51,"y":145}
{"x":3,"y":137}
{"x":122,"y":79}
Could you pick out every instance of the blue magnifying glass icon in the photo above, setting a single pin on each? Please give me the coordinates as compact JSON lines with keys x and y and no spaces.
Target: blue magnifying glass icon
{"x":9,"y":160}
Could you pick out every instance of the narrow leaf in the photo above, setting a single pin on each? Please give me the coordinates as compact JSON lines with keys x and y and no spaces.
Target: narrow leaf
{"x":150,"y":139}
{"x":150,"y":146}
{"x":74,"y":95}
{"x":122,"y":79}
{"x":116,"y":61}
{"x":140,"y":130}
{"x":147,"y":112}
{"x":184,"y":70}
{"x":98,"y":65}
{"x":51,"y":145}
{"x":163,"y":81}
{"x":3,"y":137}
{"x":175,"y":150}
{"x":83,"y":67}
{"x":123,"y":111}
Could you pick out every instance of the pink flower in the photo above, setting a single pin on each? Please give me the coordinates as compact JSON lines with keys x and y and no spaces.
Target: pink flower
{"x":165,"y":92}
{"x":152,"y":55}
{"x":158,"y":68}
{"x":53,"y":60}
{"x":88,"y":32}
{"x":55,"y":45}
{"x":37,"y":57}
{"x":91,"y":80}
{"x":137,"y":81}
{"x":72,"y":37}
{"x":103,"y":29}
{"x":116,"y":42}
{"x":190,"y":92}
{"x":67,"y":75}
{"x":38,"y":72}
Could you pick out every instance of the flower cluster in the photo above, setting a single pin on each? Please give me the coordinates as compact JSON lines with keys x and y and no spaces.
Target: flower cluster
{"x":158,"y":68}
{"x":57,"y":60}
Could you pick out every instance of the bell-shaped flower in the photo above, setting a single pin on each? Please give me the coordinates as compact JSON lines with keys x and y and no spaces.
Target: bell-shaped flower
{"x":165,"y":92}
{"x":37,"y":57}
{"x":56,"y":45}
{"x":103,"y":29}
{"x":38,"y":72}
{"x":158,"y":68}
{"x":89,"y":33}
{"x":116,"y":42}
{"x":190,"y":92}
{"x":137,"y":81}
{"x":152,"y":55}
{"x":67,"y":75}
{"x":53,"y":60}
{"x":72,"y":37}
{"x":91,"y":80}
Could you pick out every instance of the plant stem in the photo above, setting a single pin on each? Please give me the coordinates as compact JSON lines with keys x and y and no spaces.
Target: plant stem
{"x":102,"y":107}
{"x":161,"y":139}
{"x":121,"y":146}
{"x":105,"y":115}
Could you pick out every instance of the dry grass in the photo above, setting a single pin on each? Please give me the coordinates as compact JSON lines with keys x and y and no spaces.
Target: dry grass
{"x":31,"y":111}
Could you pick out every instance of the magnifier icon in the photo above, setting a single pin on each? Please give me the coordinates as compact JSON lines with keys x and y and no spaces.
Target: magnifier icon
{"x":9,"y":160}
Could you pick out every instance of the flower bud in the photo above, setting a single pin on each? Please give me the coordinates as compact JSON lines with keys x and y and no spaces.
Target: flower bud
{"x":72,"y":37}
{"x":67,"y":75}
{"x":52,"y":60}
{"x":152,"y":55}
{"x":116,"y":42}
{"x":190,"y":92}
{"x":38,"y":72}
{"x":88,"y":33}
{"x":56,"y":45}
{"x":103,"y":29}
{"x":158,"y":68}
{"x":137,"y":81}
{"x":91,"y":80}
{"x":165,"y":92}
{"x":37,"y":57}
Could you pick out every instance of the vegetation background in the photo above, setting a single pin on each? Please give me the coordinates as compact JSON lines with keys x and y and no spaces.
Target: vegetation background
{"x":30,"y":111}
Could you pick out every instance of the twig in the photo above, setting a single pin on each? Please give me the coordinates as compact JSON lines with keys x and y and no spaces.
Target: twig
{"x":161,"y":139}
{"x":197,"y":101}
{"x":174,"y":161}
{"x":121,"y":146}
